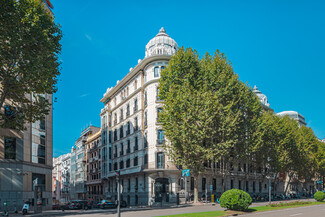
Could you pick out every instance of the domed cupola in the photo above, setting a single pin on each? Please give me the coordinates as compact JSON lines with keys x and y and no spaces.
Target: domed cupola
{"x":261,"y":97}
{"x":161,"y":44}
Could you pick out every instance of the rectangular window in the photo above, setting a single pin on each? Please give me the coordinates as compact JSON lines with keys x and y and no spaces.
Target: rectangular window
{"x":10,"y":148}
{"x":158,"y":98}
{"x":136,"y":124}
{"x":160,"y":137}
{"x":204,"y":181}
{"x":254,"y":187}
{"x":128,"y":130}
{"x":160,"y":160}
{"x":121,"y":132}
{"x":122,"y":150}
{"x":128,"y":110}
{"x":247,"y":187}
{"x":121,"y":164}
{"x":145,"y":140}
{"x":156,"y":72}
{"x":239,"y":184}
{"x":115,"y":135}
{"x":128,"y":148}
{"x":214,"y":183}
{"x":38,"y":180}
{"x":110,"y":136}
{"x":135,"y":161}
{"x":231,"y":184}
{"x":135,"y":105}
{"x":42,"y":124}
{"x":146,"y":159}
{"x":145,"y":119}
{"x":260,"y":186}
{"x":158,"y":113}
{"x":136,"y":143}
{"x":121,"y":115}
{"x":192,"y":183}
{"x":127,"y":163}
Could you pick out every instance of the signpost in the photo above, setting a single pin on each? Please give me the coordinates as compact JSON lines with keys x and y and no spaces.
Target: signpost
{"x":117,"y":177}
{"x":186,"y":173}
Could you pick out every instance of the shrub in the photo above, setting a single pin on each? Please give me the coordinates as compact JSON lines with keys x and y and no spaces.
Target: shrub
{"x":235,"y":199}
{"x":319,"y":196}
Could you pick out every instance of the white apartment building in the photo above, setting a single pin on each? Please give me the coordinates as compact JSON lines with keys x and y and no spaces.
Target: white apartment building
{"x":78,"y":171}
{"x":131,"y":135}
{"x":61,"y":179}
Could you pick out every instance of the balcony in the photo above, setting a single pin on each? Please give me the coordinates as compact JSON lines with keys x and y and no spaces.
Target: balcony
{"x":121,"y":153}
{"x":135,"y":147}
{"x":115,"y":155}
{"x":160,"y":141}
{"x":128,"y":151}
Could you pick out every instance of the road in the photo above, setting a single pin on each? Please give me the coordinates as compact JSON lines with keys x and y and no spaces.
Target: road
{"x":308,"y":211}
{"x":305,"y":211}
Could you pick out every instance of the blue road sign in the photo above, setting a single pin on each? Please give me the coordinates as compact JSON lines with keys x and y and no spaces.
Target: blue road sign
{"x":186,"y":172}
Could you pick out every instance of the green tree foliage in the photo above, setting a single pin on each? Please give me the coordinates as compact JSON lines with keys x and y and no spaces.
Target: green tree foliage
{"x":282,"y":146}
{"x":29,"y":49}
{"x":208,"y":113}
{"x":235,"y":199}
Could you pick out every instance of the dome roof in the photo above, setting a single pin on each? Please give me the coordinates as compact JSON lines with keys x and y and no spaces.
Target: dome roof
{"x":294,"y":115}
{"x":161,"y":44}
{"x":261,"y":96}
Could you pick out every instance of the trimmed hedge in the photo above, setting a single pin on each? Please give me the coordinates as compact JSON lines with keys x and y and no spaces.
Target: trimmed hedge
{"x":235,"y":199}
{"x":319,"y":196}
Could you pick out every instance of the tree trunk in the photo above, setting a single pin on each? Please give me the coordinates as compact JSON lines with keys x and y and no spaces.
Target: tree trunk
{"x":286,"y":189}
{"x":196,"y":189}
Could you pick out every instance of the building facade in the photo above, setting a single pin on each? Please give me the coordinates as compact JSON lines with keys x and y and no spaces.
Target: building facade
{"x":94,"y":168}
{"x":78,"y":175}
{"x":26,"y":163}
{"x":61,"y":179}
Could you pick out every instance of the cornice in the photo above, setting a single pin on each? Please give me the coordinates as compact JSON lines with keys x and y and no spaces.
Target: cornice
{"x":132,"y":73}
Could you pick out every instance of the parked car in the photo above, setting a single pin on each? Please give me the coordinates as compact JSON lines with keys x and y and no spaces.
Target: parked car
{"x":106,"y":204}
{"x":79,"y":204}
{"x":96,"y":204}
{"x":64,"y":206}
{"x":123,"y":203}
{"x":55,"y":206}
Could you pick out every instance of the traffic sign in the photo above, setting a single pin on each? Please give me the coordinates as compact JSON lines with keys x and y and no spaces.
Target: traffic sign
{"x":186,"y":172}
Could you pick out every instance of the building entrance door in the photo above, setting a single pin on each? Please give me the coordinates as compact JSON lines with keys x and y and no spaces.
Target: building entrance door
{"x":161,"y":190}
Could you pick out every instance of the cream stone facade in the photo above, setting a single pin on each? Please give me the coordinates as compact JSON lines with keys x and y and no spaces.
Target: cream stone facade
{"x":78,"y":175}
{"x":61,"y":179}
{"x":94,"y":168}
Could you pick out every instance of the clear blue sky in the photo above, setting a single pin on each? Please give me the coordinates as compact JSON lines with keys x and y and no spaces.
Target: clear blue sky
{"x":277,"y":45}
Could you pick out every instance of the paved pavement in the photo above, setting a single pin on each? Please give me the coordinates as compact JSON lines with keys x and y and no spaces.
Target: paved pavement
{"x":158,"y":211}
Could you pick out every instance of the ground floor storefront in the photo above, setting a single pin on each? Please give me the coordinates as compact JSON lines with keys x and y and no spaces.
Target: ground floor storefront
{"x":156,"y":187}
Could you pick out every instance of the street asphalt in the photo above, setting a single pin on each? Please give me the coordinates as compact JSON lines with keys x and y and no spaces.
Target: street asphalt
{"x":307,"y":211}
